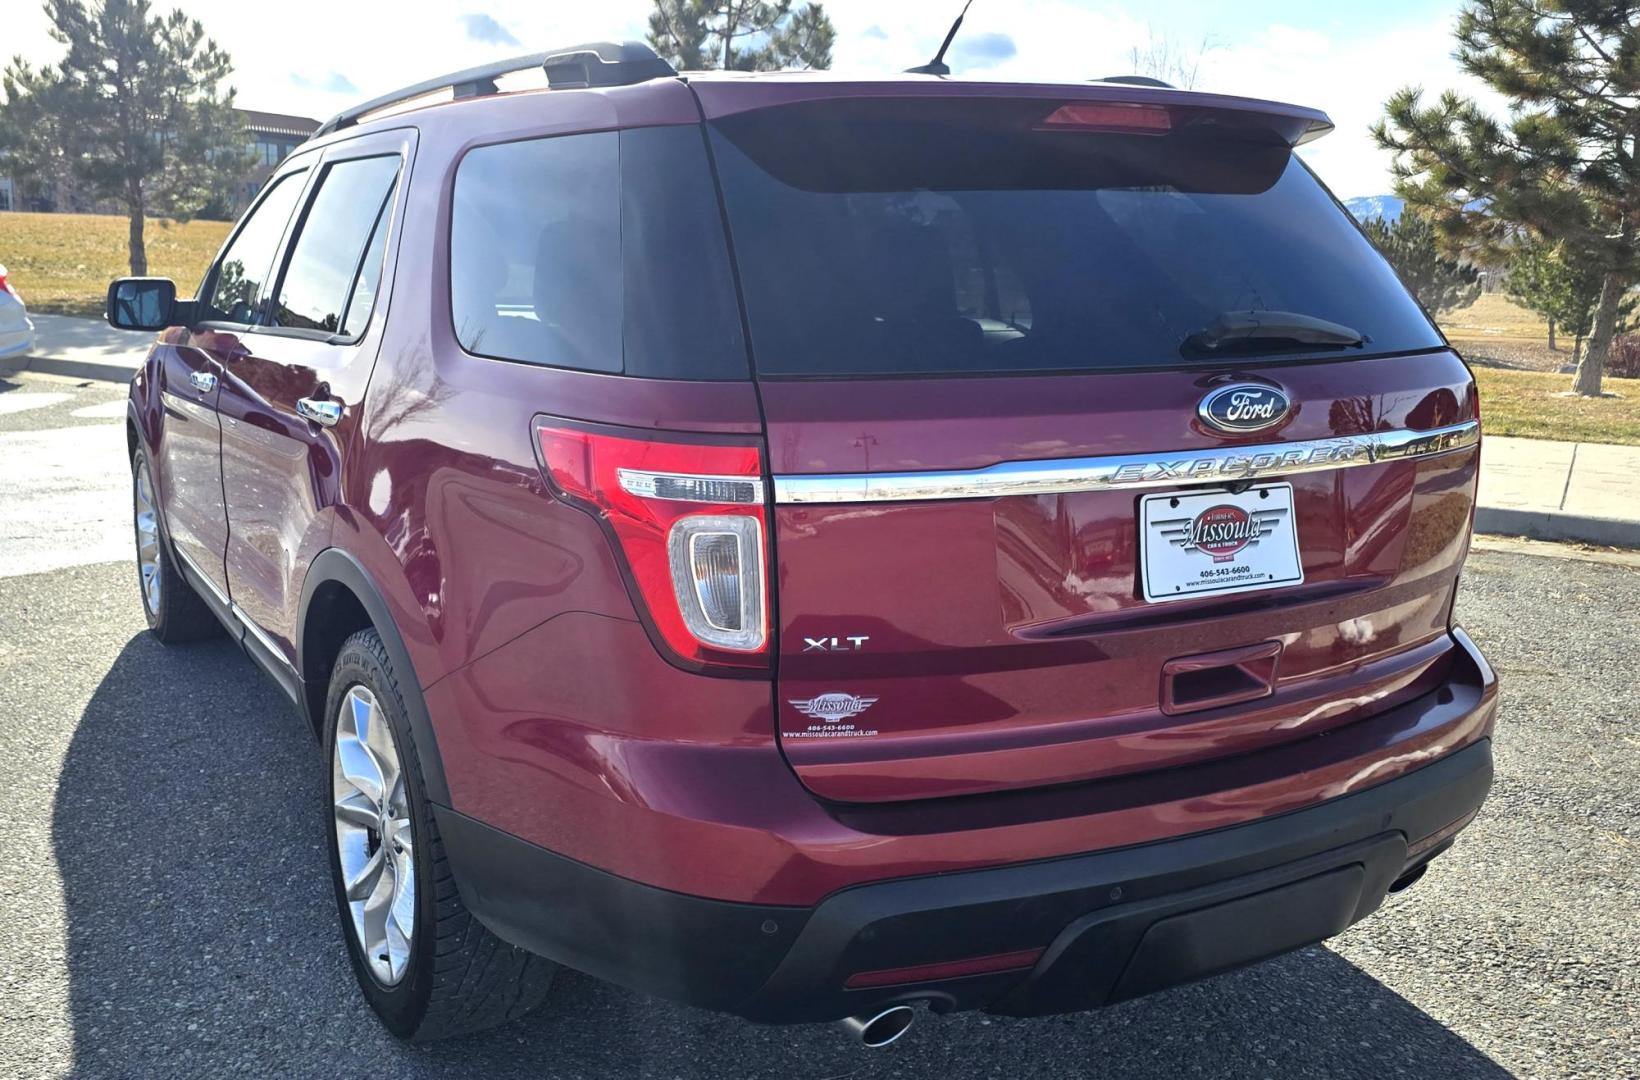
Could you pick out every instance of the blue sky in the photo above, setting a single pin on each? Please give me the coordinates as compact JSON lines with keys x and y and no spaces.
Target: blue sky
{"x":1343,"y":58}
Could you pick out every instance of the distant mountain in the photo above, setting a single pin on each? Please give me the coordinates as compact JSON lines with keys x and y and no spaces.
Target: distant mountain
{"x":1368,"y":207}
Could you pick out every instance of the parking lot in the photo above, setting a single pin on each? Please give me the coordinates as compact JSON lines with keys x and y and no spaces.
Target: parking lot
{"x":166,"y":910}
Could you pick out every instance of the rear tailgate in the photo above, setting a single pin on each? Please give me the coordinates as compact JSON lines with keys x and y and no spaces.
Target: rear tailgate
{"x":970,"y":323}
{"x":1005,"y":641}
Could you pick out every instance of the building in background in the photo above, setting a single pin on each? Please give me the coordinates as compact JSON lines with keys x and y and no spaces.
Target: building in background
{"x":272,"y":137}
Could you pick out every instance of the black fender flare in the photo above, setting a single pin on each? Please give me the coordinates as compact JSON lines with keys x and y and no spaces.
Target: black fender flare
{"x":336,"y":565}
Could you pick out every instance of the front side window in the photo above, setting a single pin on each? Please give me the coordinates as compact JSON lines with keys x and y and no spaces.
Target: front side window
{"x":335,"y":265}
{"x":240,"y":279}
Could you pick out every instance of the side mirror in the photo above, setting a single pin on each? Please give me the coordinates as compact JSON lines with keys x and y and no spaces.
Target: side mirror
{"x":144,"y":303}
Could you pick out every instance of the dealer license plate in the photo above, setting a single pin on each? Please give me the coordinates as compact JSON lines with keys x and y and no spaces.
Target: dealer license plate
{"x":1207,"y":543}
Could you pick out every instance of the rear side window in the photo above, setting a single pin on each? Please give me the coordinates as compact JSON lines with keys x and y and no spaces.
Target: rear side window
{"x":890,"y":238}
{"x":239,"y":281}
{"x":598,"y":252}
{"x":535,"y":245}
{"x":356,"y":313}
{"x":330,"y":272}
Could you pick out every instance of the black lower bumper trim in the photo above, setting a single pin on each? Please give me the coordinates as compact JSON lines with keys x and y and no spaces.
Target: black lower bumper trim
{"x":1094,"y":911}
{"x":1114,"y":924}
{"x":692,"y":949}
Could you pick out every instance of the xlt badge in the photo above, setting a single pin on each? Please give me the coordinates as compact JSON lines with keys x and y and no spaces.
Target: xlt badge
{"x":855,"y":642}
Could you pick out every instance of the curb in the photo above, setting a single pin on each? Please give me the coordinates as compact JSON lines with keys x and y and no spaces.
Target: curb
{"x":71,"y":369}
{"x":1557,"y":526}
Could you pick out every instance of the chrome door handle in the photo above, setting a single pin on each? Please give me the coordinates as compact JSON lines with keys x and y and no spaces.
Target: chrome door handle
{"x":203,"y":381}
{"x":319,"y":410}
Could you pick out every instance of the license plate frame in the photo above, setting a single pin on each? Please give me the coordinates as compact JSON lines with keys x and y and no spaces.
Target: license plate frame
{"x":1248,"y":542}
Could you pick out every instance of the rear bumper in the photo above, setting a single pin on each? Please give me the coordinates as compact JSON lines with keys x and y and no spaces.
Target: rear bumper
{"x":1116,"y":925}
{"x":1080,"y":931}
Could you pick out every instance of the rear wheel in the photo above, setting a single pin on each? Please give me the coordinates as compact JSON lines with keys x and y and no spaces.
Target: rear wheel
{"x":174,"y":610}
{"x":427,"y":967}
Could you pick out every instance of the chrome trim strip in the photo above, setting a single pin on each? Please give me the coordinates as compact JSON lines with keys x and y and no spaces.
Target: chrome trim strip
{"x":642,"y":482}
{"x":261,"y":637}
{"x":1123,"y":472}
{"x":210,"y":586}
{"x":237,"y":612}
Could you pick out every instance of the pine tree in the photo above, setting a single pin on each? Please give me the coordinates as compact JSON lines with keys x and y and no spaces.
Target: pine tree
{"x":752,"y":35}
{"x":1439,"y":282}
{"x":1560,"y":169}
{"x":136,"y":111}
{"x":1540,"y":278}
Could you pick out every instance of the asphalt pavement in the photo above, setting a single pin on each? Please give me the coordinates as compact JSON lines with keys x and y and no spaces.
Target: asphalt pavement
{"x":164,"y":910}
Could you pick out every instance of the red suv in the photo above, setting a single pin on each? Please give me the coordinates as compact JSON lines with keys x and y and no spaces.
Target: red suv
{"x":807,"y":546}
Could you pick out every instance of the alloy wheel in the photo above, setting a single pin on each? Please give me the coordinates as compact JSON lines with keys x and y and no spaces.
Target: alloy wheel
{"x":373,"y":836}
{"x":147,"y":539}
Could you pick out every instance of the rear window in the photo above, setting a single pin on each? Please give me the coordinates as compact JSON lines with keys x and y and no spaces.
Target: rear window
{"x":894,"y":237}
{"x":329,"y":281}
{"x":597,"y":252}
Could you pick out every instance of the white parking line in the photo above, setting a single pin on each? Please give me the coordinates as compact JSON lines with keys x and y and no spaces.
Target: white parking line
{"x":65,"y":498}
{"x":105,"y":410}
{"x":15,"y":402}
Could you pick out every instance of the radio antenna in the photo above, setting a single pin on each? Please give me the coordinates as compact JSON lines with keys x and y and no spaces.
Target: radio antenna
{"x":937,"y":66}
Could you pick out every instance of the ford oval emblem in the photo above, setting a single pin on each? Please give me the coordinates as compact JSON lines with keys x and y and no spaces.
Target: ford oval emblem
{"x":1244,"y":407}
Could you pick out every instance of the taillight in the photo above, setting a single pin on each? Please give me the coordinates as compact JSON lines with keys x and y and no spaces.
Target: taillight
{"x":1109,"y":116}
{"x":688,"y":517}
{"x":6,"y":286}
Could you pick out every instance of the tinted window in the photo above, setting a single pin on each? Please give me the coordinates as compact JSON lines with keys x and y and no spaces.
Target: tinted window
{"x":535,"y":252}
{"x":601,"y":252}
{"x":878,"y":238}
{"x":238,"y":283}
{"x":332,"y":244}
{"x":682,"y":319}
{"x":369,"y":281}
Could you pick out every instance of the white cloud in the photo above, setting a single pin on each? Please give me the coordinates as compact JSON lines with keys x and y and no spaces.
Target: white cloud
{"x":281,"y":60}
{"x":1349,"y":79}
{"x":1053,"y":39}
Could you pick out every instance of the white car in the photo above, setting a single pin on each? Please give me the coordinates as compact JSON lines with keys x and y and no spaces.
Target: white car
{"x":16,"y":332}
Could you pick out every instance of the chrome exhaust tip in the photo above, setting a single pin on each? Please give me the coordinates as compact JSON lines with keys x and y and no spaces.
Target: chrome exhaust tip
{"x":875,"y":1030}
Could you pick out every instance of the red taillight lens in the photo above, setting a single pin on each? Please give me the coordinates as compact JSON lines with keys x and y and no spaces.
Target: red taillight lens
{"x":1109,"y":116}
{"x":689,"y":519}
{"x":6,"y":286}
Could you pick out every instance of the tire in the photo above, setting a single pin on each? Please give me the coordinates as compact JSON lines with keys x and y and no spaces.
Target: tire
{"x":175,"y":612}
{"x":449,"y":975}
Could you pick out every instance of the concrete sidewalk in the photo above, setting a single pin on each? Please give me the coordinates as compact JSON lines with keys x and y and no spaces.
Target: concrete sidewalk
{"x":1548,"y":490}
{"x":82,"y":349}
{"x":1536,"y":488}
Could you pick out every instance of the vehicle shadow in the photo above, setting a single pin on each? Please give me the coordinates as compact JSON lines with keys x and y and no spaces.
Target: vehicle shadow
{"x":202,"y":940}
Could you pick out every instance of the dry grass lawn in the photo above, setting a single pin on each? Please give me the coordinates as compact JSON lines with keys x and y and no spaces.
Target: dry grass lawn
{"x":1535,"y":405}
{"x":1494,"y":315}
{"x":62,"y":263}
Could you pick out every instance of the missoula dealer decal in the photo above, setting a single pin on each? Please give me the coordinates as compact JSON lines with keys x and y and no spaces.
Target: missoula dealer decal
{"x":1222,"y":531}
{"x":834,"y":709}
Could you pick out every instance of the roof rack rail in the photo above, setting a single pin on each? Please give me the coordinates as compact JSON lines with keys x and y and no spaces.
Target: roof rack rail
{"x":599,"y":63}
{"x":1138,"y":80}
